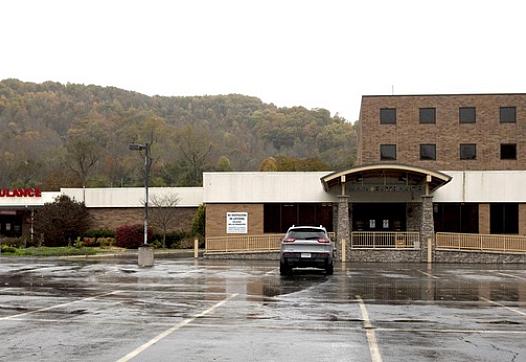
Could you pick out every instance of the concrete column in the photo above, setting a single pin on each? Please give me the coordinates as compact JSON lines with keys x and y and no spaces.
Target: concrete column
{"x":427,"y":227}
{"x":344,"y":227}
{"x":145,"y":256}
{"x":484,"y":227}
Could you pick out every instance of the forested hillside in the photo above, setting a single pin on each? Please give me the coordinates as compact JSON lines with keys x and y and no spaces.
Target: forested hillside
{"x":57,"y":135}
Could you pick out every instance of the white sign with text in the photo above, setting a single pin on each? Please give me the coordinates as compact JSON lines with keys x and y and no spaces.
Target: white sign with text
{"x":237,"y":222}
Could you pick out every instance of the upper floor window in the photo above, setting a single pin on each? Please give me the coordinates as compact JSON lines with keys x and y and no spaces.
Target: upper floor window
{"x":428,"y":152}
{"x":508,"y":151}
{"x":508,"y":115}
{"x":427,"y":115}
{"x":467,"y":115}
{"x":388,"y":152}
{"x":468,"y":151}
{"x":388,"y":115}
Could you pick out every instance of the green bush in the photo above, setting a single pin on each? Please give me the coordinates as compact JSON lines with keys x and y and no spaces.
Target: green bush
{"x":198,"y":222}
{"x":99,"y":233}
{"x":173,"y":239}
{"x":8,"y":249}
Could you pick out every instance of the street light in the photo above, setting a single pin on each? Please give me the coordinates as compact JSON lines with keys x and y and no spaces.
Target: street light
{"x":147,"y":164}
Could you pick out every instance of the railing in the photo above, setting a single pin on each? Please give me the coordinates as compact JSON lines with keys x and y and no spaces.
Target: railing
{"x":482,"y":242}
{"x":385,"y":239}
{"x":243,"y":243}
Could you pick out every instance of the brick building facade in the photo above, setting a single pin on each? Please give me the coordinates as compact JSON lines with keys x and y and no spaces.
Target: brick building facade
{"x":410,"y":129}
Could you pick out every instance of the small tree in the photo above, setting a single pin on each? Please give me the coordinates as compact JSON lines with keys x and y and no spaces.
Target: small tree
{"x":62,"y":221}
{"x":198,"y":222}
{"x":163,"y":214}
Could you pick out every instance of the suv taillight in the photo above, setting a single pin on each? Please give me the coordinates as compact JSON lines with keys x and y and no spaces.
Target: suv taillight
{"x":289,"y":240}
{"x":324,"y":241}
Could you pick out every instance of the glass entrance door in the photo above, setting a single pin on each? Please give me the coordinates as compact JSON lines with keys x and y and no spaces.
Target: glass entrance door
{"x":379,"y":217}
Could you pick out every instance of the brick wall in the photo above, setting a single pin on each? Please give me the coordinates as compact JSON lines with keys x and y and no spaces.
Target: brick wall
{"x":112,"y":218}
{"x":484,"y":221}
{"x":216,"y":218}
{"x":488,"y":133}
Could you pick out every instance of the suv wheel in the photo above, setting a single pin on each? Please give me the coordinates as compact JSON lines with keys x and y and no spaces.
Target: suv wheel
{"x":329,"y":269}
{"x":284,"y":269}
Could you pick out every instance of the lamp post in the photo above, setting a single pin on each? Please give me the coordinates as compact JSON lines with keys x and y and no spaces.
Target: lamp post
{"x":145,"y":253}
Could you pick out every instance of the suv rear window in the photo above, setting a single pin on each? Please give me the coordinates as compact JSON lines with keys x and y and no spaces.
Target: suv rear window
{"x":306,"y":234}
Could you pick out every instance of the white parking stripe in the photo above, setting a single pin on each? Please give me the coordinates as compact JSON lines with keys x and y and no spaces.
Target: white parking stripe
{"x":57,"y":306}
{"x":503,"y":306}
{"x":273,"y":271}
{"x":371,"y":336}
{"x":511,"y":275}
{"x":169,"y":331}
{"x":427,"y":274}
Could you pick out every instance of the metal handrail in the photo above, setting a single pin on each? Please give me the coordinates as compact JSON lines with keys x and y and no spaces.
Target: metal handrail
{"x":385,"y":239}
{"x":481,"y":242}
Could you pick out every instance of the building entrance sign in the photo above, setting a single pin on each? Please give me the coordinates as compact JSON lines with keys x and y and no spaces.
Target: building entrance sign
{"x":237,"y":222}
{"x":21,"y":192}
{"x":384,"y":188}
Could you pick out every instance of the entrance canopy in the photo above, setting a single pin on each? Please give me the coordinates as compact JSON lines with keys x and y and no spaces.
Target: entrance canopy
{"x":404,"y":174}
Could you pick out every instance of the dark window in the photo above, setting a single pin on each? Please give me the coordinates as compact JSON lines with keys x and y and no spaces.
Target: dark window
{"x":456,"y":217}
{"x":279,"y":217}
{"x":467,"y":115}
{"x":504,"y":218}
{"x":468,"y":151}
{"x":388,"y":115}
{"x":387,"y":152}
{"x":508,"y":115}
{"x":508,"y":151}
{"x":427,"y":115}
{"x":428,"y":152}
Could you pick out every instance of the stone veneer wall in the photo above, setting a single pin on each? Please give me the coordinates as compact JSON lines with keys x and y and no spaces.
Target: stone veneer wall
{"x":474,"y":257}
{"x":413,"y":214}
{"x":112,"y":218}
{"x":216,"y":218}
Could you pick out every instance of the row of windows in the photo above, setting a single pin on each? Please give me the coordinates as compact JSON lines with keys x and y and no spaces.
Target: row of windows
{"x":465,"y":115}
{"x":467,"y":151}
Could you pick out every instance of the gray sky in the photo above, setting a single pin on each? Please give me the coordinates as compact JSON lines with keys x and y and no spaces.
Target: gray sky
{"x":311,"y":53}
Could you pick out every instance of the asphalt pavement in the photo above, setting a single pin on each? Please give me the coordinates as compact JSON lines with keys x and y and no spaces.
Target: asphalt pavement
{"x":199,"y":310}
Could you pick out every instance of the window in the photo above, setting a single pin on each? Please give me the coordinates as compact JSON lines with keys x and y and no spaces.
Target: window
{"x":387,"y":152}
{"x":277,"y":218}
{"x":456,"y":217}
{"x":468,"y":151}
{"x":508,"y":115}
{"x":428,"y":152}
{"x":467,"y":115}
{"x":504,"y":218}
{"x":427,"y":115}
{"x":388,"y":116}
{"x":508,"y":151}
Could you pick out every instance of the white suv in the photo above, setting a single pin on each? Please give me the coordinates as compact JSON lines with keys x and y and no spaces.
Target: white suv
{"x":306,"y":246}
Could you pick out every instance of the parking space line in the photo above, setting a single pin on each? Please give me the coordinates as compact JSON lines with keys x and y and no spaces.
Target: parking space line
{"x":369,"y":329}
{"x":503,"y":306}
{"x":169,"y":331}
{"x":273,"y":271}
{"x":58,"y":305}
{"x":427,"y":274}
{"x":452,"y":331}
{"x":511,"y":275}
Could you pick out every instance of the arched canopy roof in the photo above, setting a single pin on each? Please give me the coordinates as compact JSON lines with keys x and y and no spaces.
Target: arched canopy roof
{"x":435,"y":179}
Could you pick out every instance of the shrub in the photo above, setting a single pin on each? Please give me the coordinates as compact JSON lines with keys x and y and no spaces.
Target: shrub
{"x":99,"y":233}
{"x":198,"y":222}
{"x":173,"y":239}
{"x":131,"y":236}
{"x":62,"y":221}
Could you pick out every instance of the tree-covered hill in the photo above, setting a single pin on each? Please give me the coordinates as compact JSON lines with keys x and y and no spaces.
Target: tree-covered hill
{"x":71,"y":135}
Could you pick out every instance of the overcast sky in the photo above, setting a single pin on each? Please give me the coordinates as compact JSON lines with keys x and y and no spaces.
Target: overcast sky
{"x":311,"y":53}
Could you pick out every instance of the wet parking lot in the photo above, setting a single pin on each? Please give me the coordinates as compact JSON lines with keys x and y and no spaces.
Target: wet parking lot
{"x":189,"y":310}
